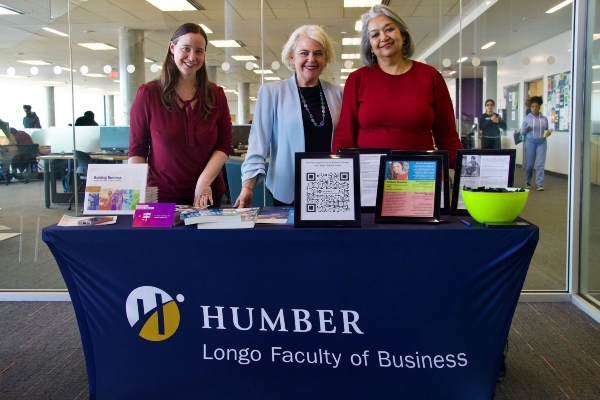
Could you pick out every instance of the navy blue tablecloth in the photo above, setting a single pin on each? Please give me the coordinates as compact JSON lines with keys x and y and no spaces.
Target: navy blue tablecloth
{"x":274,"y":312}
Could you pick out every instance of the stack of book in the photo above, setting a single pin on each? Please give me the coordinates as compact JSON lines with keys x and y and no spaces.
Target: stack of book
{"x":151,"y":194}
{"x":220,"y":218}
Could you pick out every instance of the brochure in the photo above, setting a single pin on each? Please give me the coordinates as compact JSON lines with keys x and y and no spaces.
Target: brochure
{"x":114,"y":188}
{"x":155,"y":215}
{"x":68,"y":220}
{"x":275,"y":215}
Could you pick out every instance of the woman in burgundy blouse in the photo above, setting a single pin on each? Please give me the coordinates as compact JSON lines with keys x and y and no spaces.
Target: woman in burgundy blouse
{"x":181,"y":126}
{"x":394,"y":102}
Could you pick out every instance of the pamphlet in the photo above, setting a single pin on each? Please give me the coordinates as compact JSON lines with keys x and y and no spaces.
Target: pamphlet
{"x":68,"y":220}
{"x":409,"y":189}
{"x":155,"y":215}
{"x":114,"y":188}
{"x":275,"y":215}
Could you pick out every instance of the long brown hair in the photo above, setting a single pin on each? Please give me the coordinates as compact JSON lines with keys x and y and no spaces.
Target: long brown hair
{"x":169,"y":76}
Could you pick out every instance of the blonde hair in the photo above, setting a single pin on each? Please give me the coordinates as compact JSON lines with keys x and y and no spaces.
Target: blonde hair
{"x":313,"y":32}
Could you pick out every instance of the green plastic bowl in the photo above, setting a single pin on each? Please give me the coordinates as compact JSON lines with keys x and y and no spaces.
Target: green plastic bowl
{"x":493,"y":206}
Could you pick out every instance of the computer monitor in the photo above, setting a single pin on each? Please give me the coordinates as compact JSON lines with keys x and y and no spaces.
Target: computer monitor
{"x":239,"y":135}
{"x":114,"y":138}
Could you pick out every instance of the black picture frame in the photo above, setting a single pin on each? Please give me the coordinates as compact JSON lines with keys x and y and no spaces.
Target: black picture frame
{"x":445,"y":197}
{"x":461,"y":174}
{"x":313,"y":170}
{"x":417,"y":165}
{"x":368,"y":200}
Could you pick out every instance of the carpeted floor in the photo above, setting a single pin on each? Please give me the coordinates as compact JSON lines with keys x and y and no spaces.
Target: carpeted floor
{"x":554,"y":353}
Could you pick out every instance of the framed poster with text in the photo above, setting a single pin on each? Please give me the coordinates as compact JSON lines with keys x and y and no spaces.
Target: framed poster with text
{"x":369,"y":175}
{"x":479,"y":167}
{"x":327,"y":190}
{"x":445,"y":197}
{"x":409,"y":189}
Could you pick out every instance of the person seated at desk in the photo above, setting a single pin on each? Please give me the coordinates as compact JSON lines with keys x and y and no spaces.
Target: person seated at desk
{"x":394,"y":102}
{"x":180,"y":124}
{"x":296,"y":115}
{"x":20,"y":138}
{"x":86,"y":120}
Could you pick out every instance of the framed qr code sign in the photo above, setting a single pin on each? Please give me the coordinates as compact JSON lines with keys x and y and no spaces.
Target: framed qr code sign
{"x":409,"y":189}
{"x":327,"y":190}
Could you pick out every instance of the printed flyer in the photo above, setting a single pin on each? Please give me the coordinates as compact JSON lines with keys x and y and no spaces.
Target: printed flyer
{"x":409,"y":189}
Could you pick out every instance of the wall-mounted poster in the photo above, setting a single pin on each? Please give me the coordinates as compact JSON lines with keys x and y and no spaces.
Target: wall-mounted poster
{"x":558,"y":104}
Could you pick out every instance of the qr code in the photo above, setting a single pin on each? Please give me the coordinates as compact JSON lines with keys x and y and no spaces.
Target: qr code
{"x":327,"y":192}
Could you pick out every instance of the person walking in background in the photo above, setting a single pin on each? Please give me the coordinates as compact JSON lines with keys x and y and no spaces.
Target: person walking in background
{"x":30,"y":120}
{"x":394,"y":102}
{"x":489,"y":127}
{"x":181,"y":126}
{"x":86,"y":120}
{"x":535,"y":131}
{"x":296,"y":115}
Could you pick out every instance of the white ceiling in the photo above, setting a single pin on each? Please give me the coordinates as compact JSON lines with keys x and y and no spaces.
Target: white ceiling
{"x":512,"y":24}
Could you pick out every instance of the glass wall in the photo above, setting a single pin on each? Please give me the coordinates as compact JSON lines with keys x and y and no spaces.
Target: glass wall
{"x":67,"y":57}
{"x":590,"y":232}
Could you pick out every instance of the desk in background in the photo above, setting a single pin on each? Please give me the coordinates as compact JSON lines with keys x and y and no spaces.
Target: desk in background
{"x":437,"y":298}
{"x":51,"y":195}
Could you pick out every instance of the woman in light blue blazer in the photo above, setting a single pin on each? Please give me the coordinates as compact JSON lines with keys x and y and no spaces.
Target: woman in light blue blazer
{"x":296,"y":115}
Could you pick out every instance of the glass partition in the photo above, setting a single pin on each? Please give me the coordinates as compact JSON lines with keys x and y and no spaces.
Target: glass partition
{"x":67,"y":57}
{"x":590,"y":235}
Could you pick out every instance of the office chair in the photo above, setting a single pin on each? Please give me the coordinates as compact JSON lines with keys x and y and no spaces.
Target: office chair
{"x":83,"y":160}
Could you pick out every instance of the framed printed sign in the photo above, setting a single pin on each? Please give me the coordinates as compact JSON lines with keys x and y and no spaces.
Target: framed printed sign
{"x":369,"y":175}
{"x":409,"y":189}
{"x":480,"y":167}
{"x":327,"y":190}
{"x":445,"y":197}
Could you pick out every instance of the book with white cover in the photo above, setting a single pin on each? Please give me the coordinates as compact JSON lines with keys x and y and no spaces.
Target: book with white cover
{"x":195,"y":216}
{"x":114,"y":189}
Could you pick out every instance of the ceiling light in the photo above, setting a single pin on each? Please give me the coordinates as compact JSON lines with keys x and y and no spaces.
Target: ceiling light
{"x":349,"y":70}
{"x":97,"y":46}
{"x":350,"y":56}
{"x":463,"y":59}
{"x":350,"y":41}
{"x":206,"y":28}
{"x":558,"y":7}
{"x":224,"y":43}
{"x":262,"y":71}
{"x":360,"y":3}
{"x":6,"y":10}
{"x":487,"y":46}
{"x":596,"y":36}
{"x":148,"y":60}
{"x":272,"y":78}
{"x":358,"y":26}
{"x":243,"y":58}
{"x":451,"y":72}
{"x":33,"y":62}
{"x":52,"y":82}
{"x":174,"y":5}
{"x":228,"y":90}
{"x":55,"y":32}
{"x":95,"y":75}
{"x":596,"y":82}
{"x":595,"y":66}
{"x":344,"y":77}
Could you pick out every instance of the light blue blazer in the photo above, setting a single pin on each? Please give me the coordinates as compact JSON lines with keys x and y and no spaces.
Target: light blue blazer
{"x":277,"y":124}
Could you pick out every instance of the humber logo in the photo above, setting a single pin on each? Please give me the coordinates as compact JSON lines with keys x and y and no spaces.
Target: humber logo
{"x":153,"y":312}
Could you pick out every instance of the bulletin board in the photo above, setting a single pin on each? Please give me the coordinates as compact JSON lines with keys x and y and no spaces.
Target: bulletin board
{"x":511,"y":101}
{"x":558,"y":104}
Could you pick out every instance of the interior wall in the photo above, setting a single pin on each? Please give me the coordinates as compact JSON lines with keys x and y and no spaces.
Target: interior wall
{"x":516,"y":71}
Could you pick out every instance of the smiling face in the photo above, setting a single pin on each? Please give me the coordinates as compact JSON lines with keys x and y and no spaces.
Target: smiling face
{"x":309,"y":61}
{"x":397,"y":168}
{"x":385,"y":37}
{"x":188,"y":53}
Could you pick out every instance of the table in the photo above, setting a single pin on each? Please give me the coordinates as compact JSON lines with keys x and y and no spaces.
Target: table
{"x":50,"y":193}
{"x":276,"y":312}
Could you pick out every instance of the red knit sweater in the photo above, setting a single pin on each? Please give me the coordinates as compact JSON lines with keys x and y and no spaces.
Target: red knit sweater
{"x":401,"y":112}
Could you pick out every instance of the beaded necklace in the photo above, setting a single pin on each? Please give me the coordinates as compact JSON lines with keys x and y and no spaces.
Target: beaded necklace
{"x":305,"y":105}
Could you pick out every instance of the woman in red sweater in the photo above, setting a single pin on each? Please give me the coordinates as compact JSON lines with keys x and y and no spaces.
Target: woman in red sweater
{"x":394,"y":102}
{"x":181,"y":126}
